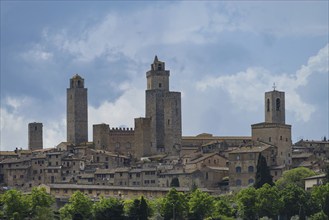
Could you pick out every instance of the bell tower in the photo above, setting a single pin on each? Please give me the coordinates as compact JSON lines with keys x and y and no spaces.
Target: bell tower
{"x":274,"y":130}
{"x":77,"y":111}
{"x":275,"y":107}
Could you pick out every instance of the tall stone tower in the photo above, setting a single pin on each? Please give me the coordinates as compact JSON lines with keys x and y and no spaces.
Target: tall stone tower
{"x":274,"y":131}
{"x":35,"y":136}
{"x":163,"y":114}
{"x":164,"y":109}
{"x":77,"y":111}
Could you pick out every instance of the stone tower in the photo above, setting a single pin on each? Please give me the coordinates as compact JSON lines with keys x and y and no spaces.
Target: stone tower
{"x":274,"y":107}
{"x":35,"y":136}
{"x":274,"y":131}
{"x":77,"y":111}
{"x":163,"y":109}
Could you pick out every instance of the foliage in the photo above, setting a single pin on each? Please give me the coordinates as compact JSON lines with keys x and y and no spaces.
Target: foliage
{"x":108,"y":208}
{"x":200,"y":205}
{"x":174,"y":205}
{"x":246,"y":200}
{"x":174,"y":182}
{"x":294,"y":200}
{"x":139,"y":210}
{"x":263,"y":174}
{"x":268,"y":201}
{"x":294,"y":176}
{"x":223,"y":206}
{"x":319,"y":216}
{"x":79,"y":207}
{"x":321,"y":196}
{"x":40,"y":202}
{"x":15,"y":205}
{"x":326,"y":179}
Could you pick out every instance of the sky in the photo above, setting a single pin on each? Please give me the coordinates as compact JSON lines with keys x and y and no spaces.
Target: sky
{"x":222,"y":56}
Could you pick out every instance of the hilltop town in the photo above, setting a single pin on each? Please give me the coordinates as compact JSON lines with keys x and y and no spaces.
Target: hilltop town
{"x":154,"y":156}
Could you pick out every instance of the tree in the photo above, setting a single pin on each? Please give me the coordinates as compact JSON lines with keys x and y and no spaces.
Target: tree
{"x":263,"y":174}
{"x":321,"y":196}
{"x":108,"y":208}
{"x":223,"y":207}
{"x":294,"y":176}
{"x":295,"y":201}
{"x":174,"y":182}
{"x":326,"y":178}
{"x":79,"y":207}
{"x":268,"y":201}
{"x":246,"y":200}
{"x":40,"y":203}
{"x":319,"y":216}
{"x":200,"y":205}
{"x":139,"y":210}
{"x":174,"y":205}
{"x":15,"y":205}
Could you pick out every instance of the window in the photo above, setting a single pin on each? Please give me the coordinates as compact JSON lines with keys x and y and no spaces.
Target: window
{"x":250,"y":169}
{"x":268,"y":105}
{"x":160,"y":85}
{"x":251,"y":181}
{"x":238,"y":182}
{"x":269,"y":139}
{"x":281,"y":138}
{"x":278,"y":104}
{"x":238,"y":169}
{"x":138,"y":174}
{"x":159,"y":66}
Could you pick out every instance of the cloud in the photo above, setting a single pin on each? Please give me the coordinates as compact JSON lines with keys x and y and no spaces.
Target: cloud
{"x":120,"y":112}
{"x":117,"y":35}
{"x":37,"y":54}
{"x":14,"y":125}
{"x":244,"y":87}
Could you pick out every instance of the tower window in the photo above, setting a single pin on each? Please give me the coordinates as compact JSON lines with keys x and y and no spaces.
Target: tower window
{"x":159,"y":66}
{"x":278,"y":104}
{"x":268,"y":105}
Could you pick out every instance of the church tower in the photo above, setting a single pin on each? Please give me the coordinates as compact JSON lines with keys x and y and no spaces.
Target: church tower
{"x":275,"y":107}
{"x":162,"y":115}
{"x":77,"y":111}
{"x":274,"y":130}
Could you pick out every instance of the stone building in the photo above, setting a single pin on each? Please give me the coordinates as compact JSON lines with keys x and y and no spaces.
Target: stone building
{"x":161,"y":129}
{"x":35,"y":141}
{"x":274,"y":131}
{"x":77,"y":111}
{"x":243,"y":163}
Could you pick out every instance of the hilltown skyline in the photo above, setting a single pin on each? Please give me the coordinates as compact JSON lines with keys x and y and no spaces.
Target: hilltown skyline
{"x":222,"y":78}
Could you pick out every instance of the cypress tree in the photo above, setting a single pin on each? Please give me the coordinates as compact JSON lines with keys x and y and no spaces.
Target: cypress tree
{"x":263,"y":174}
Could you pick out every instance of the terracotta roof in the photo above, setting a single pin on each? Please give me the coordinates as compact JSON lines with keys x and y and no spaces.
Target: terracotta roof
{"x":251,"y":149}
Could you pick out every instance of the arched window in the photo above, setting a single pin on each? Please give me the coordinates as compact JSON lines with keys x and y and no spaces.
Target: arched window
{"x":238,"y":169}
{"x":250,"y":169}
{"x":251,"y":181}
{"x":117,"y":145}
{"x":268,"y":105}
{"x":128,"y":145}
{"x":238,"y":182}
{"x":278,"y":102}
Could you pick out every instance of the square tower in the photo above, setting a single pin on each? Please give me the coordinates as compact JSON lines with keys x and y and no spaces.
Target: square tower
{"x":35,"y":136}
{"x":77,"y":111}
{"x":274,"y":130}
{"x":163,"y":114}
{"x":274,"y":107}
